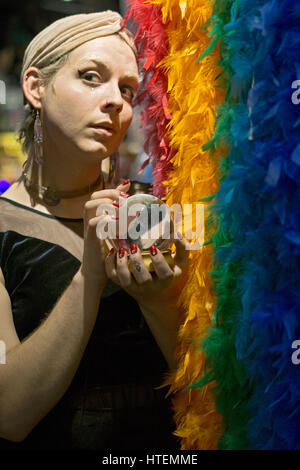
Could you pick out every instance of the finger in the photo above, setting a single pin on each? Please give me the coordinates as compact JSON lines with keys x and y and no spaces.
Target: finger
{"x":111,"y":193}
{"x":91,"y":227}
{"x":107,"y":226}
{"x":108,"y":209}
{"x":137,"y":265}
{"x":124,"y":186}
{"x":181,"y":257}
{"x":161,"y":267}
{"x":92,"y":208}
{"x":94,"y":203}
{"x":123,"y":272}
{"x":110,"y":266}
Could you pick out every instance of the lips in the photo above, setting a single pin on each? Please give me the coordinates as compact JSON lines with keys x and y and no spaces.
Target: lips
{"x":103,"y":129}
{"x":104,"y":125}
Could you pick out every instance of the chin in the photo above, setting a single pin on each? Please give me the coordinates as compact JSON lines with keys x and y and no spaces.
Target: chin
{"x":96,"y":151}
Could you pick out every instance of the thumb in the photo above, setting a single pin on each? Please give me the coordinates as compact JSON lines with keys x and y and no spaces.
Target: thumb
{"x":182,"y":252}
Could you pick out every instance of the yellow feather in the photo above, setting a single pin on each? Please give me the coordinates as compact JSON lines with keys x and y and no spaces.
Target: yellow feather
{"x":192,"y":100}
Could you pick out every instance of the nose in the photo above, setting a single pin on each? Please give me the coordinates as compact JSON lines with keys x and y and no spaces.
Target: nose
{"x":113,"y":98}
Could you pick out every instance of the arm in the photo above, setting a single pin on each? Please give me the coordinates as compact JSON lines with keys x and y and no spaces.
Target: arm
{"x":164,"y":325}
{"x":40,"y":369}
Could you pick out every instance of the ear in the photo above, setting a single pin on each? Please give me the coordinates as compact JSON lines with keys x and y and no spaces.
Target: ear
{"x":31,"y":87}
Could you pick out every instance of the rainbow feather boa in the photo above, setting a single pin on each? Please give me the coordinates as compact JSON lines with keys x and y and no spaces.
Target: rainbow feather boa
{"x":229,"y":132}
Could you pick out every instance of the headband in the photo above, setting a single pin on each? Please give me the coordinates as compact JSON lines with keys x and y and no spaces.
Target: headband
{"x":67,"y":33}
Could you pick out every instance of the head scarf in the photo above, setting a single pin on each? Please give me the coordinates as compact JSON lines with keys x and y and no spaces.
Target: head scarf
{"x":69,"y":32}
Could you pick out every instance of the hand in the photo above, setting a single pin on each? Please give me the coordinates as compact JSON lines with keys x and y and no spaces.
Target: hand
{"x":154,"y":292}
{"x":94,"y":252}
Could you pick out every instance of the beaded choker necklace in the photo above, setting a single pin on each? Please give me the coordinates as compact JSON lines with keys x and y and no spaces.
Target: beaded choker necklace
{"x":52,"y":196}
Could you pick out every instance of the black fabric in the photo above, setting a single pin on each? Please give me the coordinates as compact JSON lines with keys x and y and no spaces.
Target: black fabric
{"x":112,"y":401}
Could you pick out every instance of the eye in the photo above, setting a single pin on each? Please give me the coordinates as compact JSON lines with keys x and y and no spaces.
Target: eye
{"x":128,"y":92}
{"x":88,"y":76}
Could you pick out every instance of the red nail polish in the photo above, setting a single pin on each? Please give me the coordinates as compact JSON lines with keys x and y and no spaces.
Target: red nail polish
{"x":153,"y":250}
{"x":115,"y":217}
{"x":124,"y":194}
{"x":111,"y":251}
{"x":125,"y":182}
{"x":121,"y":252}
{"x":116,"y":204}
{"x":133,"y":249}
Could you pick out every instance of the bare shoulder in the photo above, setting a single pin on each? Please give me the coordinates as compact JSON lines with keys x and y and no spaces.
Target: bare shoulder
{"x":15,"y":193}
{"x":2,"y":280}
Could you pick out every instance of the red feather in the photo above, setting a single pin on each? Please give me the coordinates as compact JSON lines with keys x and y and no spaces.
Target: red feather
{"x":151,"y":42}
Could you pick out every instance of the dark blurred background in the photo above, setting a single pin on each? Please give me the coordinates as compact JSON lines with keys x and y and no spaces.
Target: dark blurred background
{"x":19,"y":23}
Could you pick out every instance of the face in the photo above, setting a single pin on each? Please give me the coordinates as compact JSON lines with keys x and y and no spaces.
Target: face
{"x":87,"y":107}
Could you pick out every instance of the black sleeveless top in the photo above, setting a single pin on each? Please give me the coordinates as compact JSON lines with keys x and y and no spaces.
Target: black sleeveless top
{"x":113,"y":401}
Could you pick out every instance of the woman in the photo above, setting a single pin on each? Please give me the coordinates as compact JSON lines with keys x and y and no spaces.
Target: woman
{"x":87,"y":341}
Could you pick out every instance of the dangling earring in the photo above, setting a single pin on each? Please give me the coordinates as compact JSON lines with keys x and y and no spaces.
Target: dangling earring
{"x":112,"y":166}
{"x":38,"y":139}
